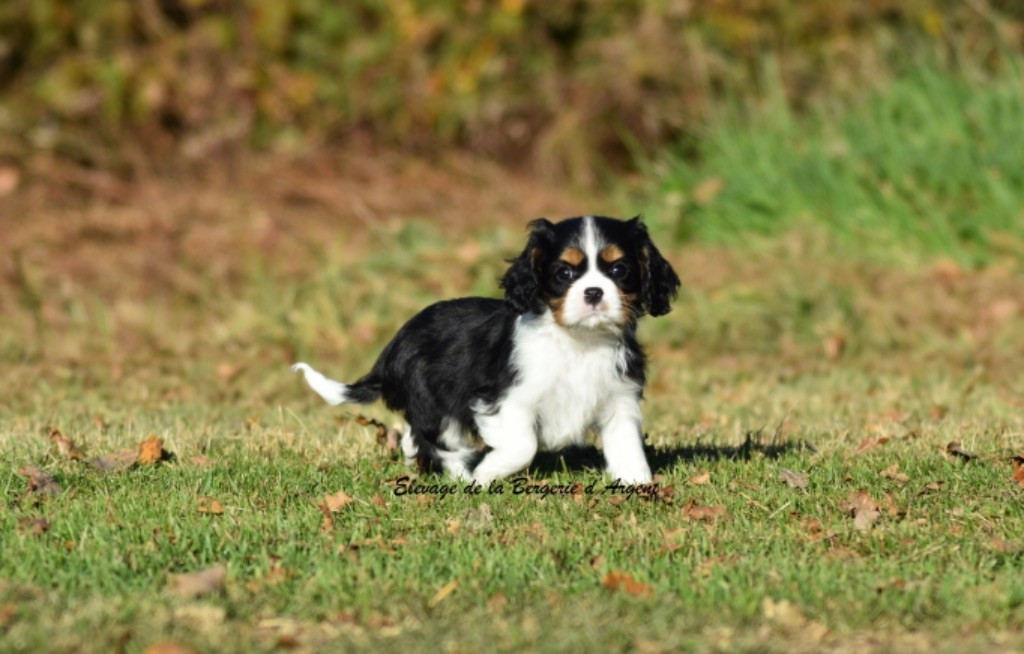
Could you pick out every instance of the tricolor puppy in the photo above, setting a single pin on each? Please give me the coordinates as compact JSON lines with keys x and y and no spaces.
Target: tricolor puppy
{"x":484,"y":383}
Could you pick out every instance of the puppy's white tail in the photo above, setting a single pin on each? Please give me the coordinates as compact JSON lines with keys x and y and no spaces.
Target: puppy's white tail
{"x":333,"y":392}
{"x":364,"y":391}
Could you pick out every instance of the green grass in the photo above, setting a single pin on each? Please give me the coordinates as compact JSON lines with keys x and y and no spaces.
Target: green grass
{"x":932,"y":164}
{"x":933,"y":562}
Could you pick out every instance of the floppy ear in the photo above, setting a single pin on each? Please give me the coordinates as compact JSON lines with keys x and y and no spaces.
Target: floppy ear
{"x":659,"y":282}
{"x":522,"y":279}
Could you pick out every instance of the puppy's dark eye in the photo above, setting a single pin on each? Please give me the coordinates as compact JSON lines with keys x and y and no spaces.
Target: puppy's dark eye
{"x":565,"y":274}
{"x":618,"y":270}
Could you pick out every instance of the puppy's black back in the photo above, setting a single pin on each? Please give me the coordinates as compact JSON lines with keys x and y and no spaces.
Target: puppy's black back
{"x":444,"y":360}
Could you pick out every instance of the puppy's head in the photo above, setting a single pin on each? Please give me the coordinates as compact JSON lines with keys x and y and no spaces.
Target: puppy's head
{"x":591,"y":272}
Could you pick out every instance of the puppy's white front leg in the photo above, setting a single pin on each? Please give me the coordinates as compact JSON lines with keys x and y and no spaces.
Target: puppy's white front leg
{"x":623,"y":442}
{"x":512,"y":439}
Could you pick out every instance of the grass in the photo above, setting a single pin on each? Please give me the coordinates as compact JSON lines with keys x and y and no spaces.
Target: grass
{"x":931,"y":165}
{"x":857,"y":371}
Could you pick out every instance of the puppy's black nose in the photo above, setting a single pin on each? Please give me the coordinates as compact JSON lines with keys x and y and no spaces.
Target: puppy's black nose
{"x":592,"y":295}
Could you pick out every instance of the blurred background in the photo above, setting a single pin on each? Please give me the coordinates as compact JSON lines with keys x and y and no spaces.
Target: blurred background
{"x":232,"y":183}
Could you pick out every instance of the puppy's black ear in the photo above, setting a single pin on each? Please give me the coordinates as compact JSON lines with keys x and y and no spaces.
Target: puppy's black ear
{"x":522,"y":279}
{"x":659,"y":282}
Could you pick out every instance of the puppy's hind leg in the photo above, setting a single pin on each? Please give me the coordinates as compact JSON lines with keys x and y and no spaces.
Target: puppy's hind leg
{"x":450,"y":454}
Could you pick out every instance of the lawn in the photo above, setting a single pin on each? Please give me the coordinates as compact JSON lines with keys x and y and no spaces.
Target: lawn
{"x":834,"y":436}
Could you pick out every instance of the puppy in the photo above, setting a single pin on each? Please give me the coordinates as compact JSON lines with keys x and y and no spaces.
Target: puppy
{"x":484,"y":383}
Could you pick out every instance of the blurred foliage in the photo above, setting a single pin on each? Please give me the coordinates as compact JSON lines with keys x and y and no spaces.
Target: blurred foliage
{"x":565,"y":84}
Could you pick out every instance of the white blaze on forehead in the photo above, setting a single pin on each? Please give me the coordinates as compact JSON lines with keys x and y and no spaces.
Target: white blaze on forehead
{"x":591,"y":242}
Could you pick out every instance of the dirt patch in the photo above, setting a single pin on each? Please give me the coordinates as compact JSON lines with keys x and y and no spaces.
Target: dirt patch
{"x":125,"y":238}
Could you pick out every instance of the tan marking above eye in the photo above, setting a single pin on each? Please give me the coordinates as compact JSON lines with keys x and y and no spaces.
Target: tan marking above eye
{"x":573,"y":256}
{"x":612,"y":253}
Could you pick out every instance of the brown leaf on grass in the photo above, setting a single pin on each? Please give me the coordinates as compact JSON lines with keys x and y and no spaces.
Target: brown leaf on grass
{"x":705,"y":192}
{"x":152,"y":451}
{"x":785,"y":616}
{"x":170,"y":647}
{"x":955,"y":450}
{"x":227,"y":371}
{"x":496,"y":603}
{"x":120,"y":460}
{"x":33,"y":526}
{"x":701,"y":479}
{"x":793,"y":479}
{"x":274,"y":576}
{"x":65,"y":445}
{"x":387,"y":437}
{"x":480,"y":518}
{"x":333,"y":504}
{"x":834,"y":345}
{"x":337,"y":501}
{"x":615,"y":581}
{"x":10,"y":177}
{"x":893,"y":473}
{"x":201,"y":461}
{"x":700,"y":512}
{"x":8,"y":612}
{"x":865,"y":511}
{"x":40,"y":482}
{"x":191,"y":585}
{"x":210,"y":505}
{"x":1018,"y":469}
{"x":870,"y":442}
{"x":1005,"y":546}
{"x":442,"y":593}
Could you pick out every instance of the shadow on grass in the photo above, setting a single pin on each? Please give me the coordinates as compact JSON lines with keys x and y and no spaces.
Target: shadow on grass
{"x":663,"y":459}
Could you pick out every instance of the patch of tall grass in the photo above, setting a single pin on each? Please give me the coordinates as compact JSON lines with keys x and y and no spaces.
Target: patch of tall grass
{"x":932,"y":164}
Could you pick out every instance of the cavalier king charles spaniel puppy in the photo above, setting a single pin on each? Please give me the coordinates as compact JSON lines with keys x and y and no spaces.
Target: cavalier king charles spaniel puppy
{"x":485,"y":383}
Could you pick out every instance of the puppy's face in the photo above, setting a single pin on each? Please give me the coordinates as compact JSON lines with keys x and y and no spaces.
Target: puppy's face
{"x":591,"y":273}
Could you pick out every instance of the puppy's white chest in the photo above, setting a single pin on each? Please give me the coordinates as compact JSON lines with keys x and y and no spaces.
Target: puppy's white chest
{"x":568,"y":382}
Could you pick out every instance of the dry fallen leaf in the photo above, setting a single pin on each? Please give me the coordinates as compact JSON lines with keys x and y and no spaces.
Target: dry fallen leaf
{"x":694,"y":511}
{"x":227,"y":371}
{"x":956,"y":450}
{"x":1018,"y":469}
{"x":794,"y":479}
{"x":387,"y":437}
{"x":65,"y":445}
{"x":893,"y":473}
{"x":614,"y":581}
{"x":865,"y":511}
{"x":201,"y":461}
{"x":210,"y":505}
{"x":10,"y":177}
{"x":197,"y":584}
{"x":705,"y":192}
{"x":152,"y":451}
{"x":785,"y":616}
{"x":33,"y":526}
{"x":497,"y":602}
{"x":1005,"y":546}
{"x":870,"y":442}
{"x":8,"y":612}
{"x":337,"y":502}
{"x":442,"y":593}
{"x":120,"y":460}
{"x":701,"y":478}
{"x":478,"y":518}
{"x":40,"y":482}
{"x":170,"y":647}
{"x":834,"y":345}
